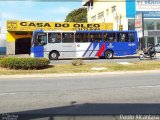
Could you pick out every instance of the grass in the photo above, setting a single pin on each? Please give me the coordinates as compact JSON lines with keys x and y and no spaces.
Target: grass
{"x":69,"y":68}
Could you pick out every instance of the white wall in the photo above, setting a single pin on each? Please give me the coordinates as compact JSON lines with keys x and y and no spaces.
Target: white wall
{"x":3,"y":40}
{"x":99,"y":7}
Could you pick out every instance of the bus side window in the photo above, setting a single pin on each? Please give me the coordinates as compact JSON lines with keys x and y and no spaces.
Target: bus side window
{"x":85,"y":37}
{"x":81,"y":37}
{"x":95,"y":37}
{"x":107,"y":37}
{"x":54,"y":37}
{"x":131,"y":37}
{"x":91,"y":38}
{"x":78,"y":37}
{"x":99,"y":37}
{"x":67,"y":37}
{"x":111,"y":37}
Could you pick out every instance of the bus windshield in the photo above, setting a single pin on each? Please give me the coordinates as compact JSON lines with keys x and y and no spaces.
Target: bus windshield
{"x":39,"y":39}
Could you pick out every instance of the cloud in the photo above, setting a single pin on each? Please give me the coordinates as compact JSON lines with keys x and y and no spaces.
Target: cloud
{"x":16,"y":5}
{"x":6,"y":15}
{"x":59,"y":10}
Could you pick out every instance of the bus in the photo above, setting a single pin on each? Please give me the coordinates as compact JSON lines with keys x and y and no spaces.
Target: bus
{"x":83,"y":44}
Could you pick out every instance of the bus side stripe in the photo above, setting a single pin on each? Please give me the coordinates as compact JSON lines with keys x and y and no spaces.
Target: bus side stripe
{"x":93,"y":49}
{"x":87,"y":49}
{"x":101,"y":50}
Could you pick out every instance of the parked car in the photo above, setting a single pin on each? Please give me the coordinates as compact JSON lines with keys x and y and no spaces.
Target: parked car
{"x":157,"y":48}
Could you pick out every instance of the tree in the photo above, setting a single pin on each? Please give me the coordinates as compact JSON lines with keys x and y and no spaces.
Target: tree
{"x":77,"y":15}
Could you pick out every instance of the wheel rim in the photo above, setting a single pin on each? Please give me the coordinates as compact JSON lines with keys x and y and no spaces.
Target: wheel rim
{"x":109,"y":54}
{"x":53,"y":55}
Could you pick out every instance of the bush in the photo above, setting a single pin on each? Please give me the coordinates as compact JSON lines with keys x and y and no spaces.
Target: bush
{"x":24,"y":63}
{"x":77,"y":62}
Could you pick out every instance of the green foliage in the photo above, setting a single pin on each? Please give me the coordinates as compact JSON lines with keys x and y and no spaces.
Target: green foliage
{"x":77,"y":62}
{"x":77,"y":15}
{"x":24,"y":63}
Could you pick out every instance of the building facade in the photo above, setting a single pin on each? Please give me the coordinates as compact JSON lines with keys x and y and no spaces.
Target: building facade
{"x":122,"y":14}
{"x":2,"y":40}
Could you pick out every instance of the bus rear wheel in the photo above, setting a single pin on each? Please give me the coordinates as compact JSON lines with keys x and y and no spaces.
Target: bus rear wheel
{"x":108,"y":54}
{"x":53,"y":55}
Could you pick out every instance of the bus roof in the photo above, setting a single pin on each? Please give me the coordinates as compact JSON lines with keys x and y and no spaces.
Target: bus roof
{"x":87,"y":31}
{"x":97,"y":31}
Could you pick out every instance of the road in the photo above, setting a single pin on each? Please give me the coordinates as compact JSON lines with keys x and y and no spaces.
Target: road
{"x":97,"y":60}
{"x":107,"y":94}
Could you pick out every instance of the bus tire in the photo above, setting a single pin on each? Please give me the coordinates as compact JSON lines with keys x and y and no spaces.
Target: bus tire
{"x":53,"y":55}
{"x":108,"y":54}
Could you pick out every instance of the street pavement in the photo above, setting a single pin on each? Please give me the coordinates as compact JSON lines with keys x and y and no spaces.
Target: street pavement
{"x":108,"y":94}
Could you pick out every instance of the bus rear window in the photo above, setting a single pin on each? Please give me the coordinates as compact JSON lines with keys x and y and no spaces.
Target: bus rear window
{"x":131,"y":37}
{"x":122,"y":37}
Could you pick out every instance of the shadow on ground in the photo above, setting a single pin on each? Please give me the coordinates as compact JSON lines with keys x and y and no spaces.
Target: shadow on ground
{"x":116,"y":57}
{"x":90,"y":110}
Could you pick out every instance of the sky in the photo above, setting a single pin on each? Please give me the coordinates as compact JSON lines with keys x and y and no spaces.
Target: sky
{"x":33,"y":10}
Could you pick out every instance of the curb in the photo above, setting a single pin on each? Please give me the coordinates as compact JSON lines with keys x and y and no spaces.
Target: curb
{"x":77,"y":74}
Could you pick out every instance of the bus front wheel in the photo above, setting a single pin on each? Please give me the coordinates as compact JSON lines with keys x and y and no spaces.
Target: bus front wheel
{"x":53,"y":55}
{"x":108,"y":54}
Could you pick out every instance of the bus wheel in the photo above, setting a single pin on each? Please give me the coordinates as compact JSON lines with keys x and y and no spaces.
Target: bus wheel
{"x":108,"y":54}
{"x":53,"y":55}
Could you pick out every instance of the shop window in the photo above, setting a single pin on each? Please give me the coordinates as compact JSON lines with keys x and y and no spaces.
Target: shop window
{"x":149,"y":25}
{"x":93,"y":19}
{"x":158,"y":25}
{"x":131,"y":24}
{"x":101,"y":16}
{"x":113,"y":9}
{"x":107,"y":12}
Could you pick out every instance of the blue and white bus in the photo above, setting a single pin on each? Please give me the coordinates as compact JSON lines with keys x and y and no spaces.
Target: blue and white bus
{"x":83,"y":44}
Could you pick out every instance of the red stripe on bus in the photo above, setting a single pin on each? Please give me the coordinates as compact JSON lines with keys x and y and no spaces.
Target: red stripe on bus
{"x":101,"y":50}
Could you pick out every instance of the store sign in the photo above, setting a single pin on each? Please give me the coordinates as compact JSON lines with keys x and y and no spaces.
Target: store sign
{"x":120,"y":27}
{"x":139,"y":24}
{"x":150,"y":8}
{"x":150,"y":14}
{"x":147,"y":5}
{"x":66,"y":26}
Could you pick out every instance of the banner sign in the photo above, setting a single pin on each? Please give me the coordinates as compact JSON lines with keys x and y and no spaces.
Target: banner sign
{"x":52,"y":26}
{"x":150,"y":14}
{"x":149,"y":8}
{"x":139,"y":24}
{"x":147,"y":5}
